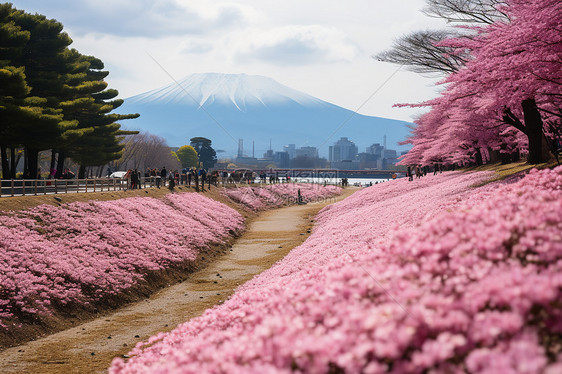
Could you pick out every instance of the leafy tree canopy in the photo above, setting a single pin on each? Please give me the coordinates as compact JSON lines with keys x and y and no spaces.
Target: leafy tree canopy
{"x":188,"y":156}
{"x":207,"y":155}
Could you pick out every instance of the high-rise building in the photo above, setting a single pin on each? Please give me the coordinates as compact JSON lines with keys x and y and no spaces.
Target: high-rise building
{"x":290,"y":149}
{"x":281,"y":159}
{"x":240,"y":147}
{"x":310,"y":152}
{"x":343,"y":149}
{"x":375,"y":149}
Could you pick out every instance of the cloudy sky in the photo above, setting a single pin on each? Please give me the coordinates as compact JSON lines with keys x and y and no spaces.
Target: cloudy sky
{"x":321,"y":47}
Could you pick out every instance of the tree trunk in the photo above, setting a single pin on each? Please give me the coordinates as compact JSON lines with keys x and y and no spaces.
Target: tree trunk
{"x":13,"y":162}
{"x":515,"y":156}
{"x":60,"y":164}
{"x":82,"y":172}
{"x":5,"y":164}
{"x":538,"y":150}
{"x":494,"y":156}
{"x":32,"y":157}
{"x":53,"y":162}
{"x":478,"y":157}
{"x":26,"y":162}
{"x":504,"y":156}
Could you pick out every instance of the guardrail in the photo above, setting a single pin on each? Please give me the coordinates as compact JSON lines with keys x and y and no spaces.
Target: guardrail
{"x":28,"y":187}
{"x":35,"y":187}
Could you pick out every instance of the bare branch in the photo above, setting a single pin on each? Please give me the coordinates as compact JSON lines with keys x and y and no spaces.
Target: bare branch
{"x":467,"y":11}
{"x":419,"y":52}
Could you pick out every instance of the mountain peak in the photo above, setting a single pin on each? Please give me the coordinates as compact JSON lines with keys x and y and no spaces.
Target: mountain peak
{"x":240,"y":90}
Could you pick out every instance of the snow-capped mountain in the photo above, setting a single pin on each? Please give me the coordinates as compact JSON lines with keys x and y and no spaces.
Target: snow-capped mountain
{"x":229,"y":107}
{"x":239,"y":90}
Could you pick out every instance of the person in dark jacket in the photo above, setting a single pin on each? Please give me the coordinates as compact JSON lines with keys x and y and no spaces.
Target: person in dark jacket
{"x":163,"y":175}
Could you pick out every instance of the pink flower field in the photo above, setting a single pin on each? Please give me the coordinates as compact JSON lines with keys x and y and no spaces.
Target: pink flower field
{"x":402,"y":277}
{"x":277,"y":195}
{"x":82,"y":252}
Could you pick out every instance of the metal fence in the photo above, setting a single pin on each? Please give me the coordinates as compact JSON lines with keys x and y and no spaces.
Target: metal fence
{"x":28,"y":187}
{"x":36,"y":187}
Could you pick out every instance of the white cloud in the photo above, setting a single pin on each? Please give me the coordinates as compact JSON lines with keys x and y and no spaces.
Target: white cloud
{"x":321,"y":47}
{"x":192,"y":46}
{"x":140,"y":18}
{"x":297,"y":44}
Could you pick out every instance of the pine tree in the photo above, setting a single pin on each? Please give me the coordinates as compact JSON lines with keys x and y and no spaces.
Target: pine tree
{"x":64,"y":103}
{"x":41,"y":57}
{"x":13,"y":87}
{"x":88,"y":106}
{"x":103,"y":141}
{"x":207,"y":155}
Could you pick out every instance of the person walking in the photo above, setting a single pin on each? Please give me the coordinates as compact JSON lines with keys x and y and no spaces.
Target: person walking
{"x":134,"y":179}
{"x":196,"y":177}
{"x":203,"y":175}
{"x":163,"y":175}
{"x":127,"y":177}
{"x":172,"y":180}
{"x":157,"y":178}
{"x":152,"y":176}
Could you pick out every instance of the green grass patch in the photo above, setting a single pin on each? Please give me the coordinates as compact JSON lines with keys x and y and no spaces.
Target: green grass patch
{"x":503,"y":171}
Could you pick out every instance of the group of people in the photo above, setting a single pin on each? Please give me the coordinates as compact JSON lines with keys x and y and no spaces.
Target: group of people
{"x":199,"y":177}
{"x":65,"y":174}
{"x":162,"y":178}
{"x":422,"y":171}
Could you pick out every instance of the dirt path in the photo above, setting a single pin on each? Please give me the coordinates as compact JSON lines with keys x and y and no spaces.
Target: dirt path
{"x":90,"y":347}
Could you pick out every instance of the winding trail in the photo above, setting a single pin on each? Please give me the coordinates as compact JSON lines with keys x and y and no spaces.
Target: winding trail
{"x":90,"y":347}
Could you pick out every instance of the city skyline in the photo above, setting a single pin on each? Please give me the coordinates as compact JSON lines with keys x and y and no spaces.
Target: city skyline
{"x":343,"y":154}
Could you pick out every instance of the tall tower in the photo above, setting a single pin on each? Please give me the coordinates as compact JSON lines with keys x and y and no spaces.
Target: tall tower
{"x":240,"y":147}
{"x":384,"y":142}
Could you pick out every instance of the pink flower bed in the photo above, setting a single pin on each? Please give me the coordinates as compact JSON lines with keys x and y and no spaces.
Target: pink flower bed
{"x":277,"y":195}
{"x":82,"y":252}
{"x":400,"y":277}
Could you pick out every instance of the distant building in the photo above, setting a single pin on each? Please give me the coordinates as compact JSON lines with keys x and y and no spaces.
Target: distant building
{"x":345,"y":165}
{"x":375,"y":149}
{"x":310,"y":152}
{"x":343,"y":149}
{"x":240,"y":147}
{"x":246,"y":161}
{"x":389,"y":159}
{"x":368,"y":160}
{"x":290,"y":149}
{"x":281,"y":159}
{"x":389,"y":154}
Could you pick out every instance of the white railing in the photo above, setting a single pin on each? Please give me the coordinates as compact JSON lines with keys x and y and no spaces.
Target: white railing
{"x":35,"y":187}
{"x":27,"y":187}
